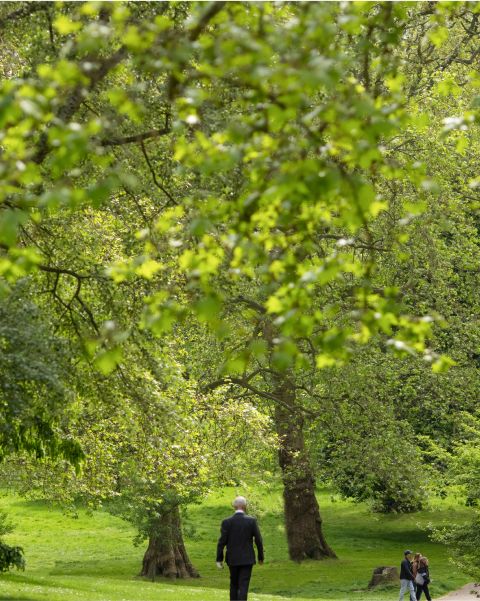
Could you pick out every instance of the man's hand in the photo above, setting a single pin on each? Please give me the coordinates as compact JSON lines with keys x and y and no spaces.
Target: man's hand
{"x":260,"y":563}
{"x":219,"y":565}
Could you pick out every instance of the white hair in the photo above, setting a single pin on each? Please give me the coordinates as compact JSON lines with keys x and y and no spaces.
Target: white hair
{"x":239,"y":503}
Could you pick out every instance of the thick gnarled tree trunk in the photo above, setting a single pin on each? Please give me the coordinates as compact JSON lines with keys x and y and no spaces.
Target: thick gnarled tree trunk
{"x":166,"y":554}
{"x":303,"y":521}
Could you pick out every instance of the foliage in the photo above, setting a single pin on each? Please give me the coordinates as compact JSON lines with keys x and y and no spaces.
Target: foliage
{"x":34,"y":382}
{"x":463,"y":542}
{"x":369,"y":455}
{"x":246,"y":131}
{"x":206,"y":201}
{"x":392,"y":425}
{"x":10,"y":557}
{"x":462,"y":539}
{"x":465,"y":462}
{"x":146,"y":453}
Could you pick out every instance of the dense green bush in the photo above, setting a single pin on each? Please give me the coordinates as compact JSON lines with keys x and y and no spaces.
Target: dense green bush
{"x":390,"y":481}
{"x":371,"y":456}
{"x":463,"y":542}
{"x":10,"y":557}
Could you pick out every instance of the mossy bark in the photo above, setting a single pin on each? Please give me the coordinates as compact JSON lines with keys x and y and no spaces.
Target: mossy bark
{"x":303,"y":521}
{"x":166,"y":555}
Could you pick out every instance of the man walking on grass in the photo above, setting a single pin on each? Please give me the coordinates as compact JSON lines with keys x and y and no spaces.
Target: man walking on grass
{"x":237,"y":534}
{"x":406,"y":577}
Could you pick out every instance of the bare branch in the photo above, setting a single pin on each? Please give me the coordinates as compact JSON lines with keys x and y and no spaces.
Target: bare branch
{"x":208,"y":15}
{"x":213,"y":9}
{"x":147,"y":135}
{"x":245,"y":384}
{"x":60,"y":270}
{"x":249,"y":303}
{"x":75,"y":99}
{"x":171,"y":200}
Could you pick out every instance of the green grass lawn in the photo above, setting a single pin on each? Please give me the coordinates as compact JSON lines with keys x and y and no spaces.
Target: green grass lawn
{"x":92,"y":558}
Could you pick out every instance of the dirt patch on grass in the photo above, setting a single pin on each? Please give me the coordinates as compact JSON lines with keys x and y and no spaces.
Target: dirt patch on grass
{"x":469,"y":592}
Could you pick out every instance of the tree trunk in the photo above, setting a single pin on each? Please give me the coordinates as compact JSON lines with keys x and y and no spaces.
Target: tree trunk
{"x":302,"y":514}
{"x":166,"y":554}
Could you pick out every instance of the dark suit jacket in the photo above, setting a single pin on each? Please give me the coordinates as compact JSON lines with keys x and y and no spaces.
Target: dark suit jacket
{"x":237,"y":534}
{"x":406,"y":570}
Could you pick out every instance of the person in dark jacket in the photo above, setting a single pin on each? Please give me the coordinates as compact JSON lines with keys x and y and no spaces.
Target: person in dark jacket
{"x":423,"y":579}
{"x":237,"y":534}
{"x":406,"y":577}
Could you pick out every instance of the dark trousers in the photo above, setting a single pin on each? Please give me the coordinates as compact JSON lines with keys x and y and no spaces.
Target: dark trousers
{"x":423,"y":588}
{"x":239,"y":581}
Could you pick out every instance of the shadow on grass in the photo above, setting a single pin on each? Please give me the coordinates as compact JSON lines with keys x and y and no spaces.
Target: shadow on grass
{"x":24,"y":578}
{"x":9,"y":598}
{"x":31,"y":504}
{"x":107,"y":568}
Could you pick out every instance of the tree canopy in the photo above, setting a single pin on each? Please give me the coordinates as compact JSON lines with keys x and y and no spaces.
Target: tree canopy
{"x":238,"y":225}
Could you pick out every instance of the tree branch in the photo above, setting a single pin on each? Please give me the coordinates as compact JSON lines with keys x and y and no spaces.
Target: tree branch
{"x":73,"y":102}
{"x":249,"y":303}
{"x":213,"y":9}
{"x":171,"y":200}
{"x":153,"y":133}
{"x":245,"y":383}
{"x":62,"y":270}
{"x":208,"y":15}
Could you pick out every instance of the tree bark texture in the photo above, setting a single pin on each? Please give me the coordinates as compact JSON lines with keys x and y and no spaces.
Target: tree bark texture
{"x":166,"y":554}
{"x":303,"y":521}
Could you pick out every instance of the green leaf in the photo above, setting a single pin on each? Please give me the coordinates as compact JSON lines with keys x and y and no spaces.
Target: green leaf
{"x":108,"y":360}
{"x":258,"y":348}
{"x":439,"y":35}
{"x":442,"y":364}
{"x":148,"y":268}
{"x":323,"y":361}
{"x":64,"y":25}
{"x":274,"y":305}
{"x":208,"y":308}
{"x":9,"y":221}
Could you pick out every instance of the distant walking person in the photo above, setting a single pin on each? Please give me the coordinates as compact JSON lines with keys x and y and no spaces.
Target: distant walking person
{"x":415,"y":564}
{"x":406,"y":577}
{"x":422,"y":579}
{"x":237,"y":534}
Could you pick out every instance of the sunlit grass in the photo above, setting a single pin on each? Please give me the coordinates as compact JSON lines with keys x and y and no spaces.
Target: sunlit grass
{"x":92,"y":558}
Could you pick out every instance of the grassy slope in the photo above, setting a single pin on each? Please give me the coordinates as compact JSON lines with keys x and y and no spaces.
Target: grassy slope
{"x":92,"y":558}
